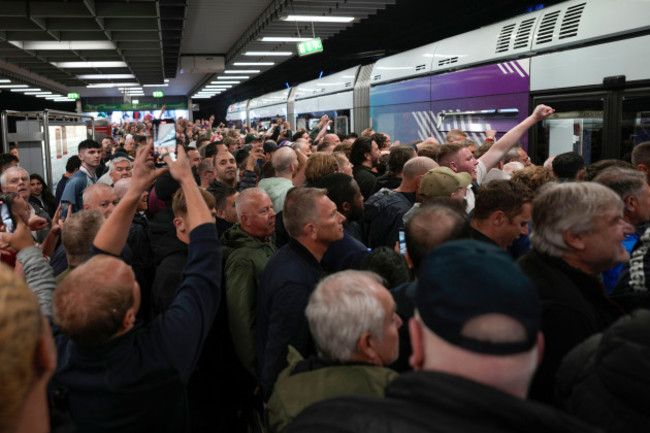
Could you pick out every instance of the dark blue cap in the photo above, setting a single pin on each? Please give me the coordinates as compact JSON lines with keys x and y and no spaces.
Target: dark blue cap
{"x":462,"y":280}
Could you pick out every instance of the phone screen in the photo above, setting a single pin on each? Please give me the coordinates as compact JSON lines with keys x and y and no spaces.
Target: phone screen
{"x":402,"y":242}
{"x":7,"y":219}
{"x":164,"y":139}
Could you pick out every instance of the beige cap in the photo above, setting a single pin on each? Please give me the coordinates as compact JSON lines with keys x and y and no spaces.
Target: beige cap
{"x":442,"y":182}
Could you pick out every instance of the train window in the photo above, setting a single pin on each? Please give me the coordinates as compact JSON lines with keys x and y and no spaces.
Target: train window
{"x":301,"y":123}
{"x":341,"y":125}
{"x":576,"y":126}
{"x":635,"y":122}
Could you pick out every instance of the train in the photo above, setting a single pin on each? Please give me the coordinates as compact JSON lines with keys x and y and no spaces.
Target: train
{"x":588,"y":59}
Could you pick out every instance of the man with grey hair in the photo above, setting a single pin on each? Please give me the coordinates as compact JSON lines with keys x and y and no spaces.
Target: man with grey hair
{"x":313,"y":222}
{"x":353,"y":322}
{"x":16,"y":179}
{"x":384,"y":210}
{"x":632,"y":188}
{"x":247,"y":248}
{"x":285,"y":163}
{"x":119,"y":168}
{"x":577,"y":233}
{"x":101,"y":197}
{"x":77,"y":237}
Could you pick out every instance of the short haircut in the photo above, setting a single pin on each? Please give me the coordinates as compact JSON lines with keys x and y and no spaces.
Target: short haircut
{"x":455,"y":135}
{"x":344,"y":148}
{"x":119,"y":159}
{"x":78,"y":234}
{"x":623,"y":181}
{"x":3,"y":176}
{"x":501,"y":195}
{"x":298,"y":134}
{"x":448,"y":153}
{"x":319,"y":165}
{"x":567,"y":165}
{"x":221,"y":197}
{"x":572,"y":207}
{"x":179,"y":204}
{"x":534,"y":177}
{"x":387,"y":263}
{"x":230,"y":141}
{"x":210,"y":150}
{"x":430,"y":151}
{"x":140,"y":139}
{"x":599,"y":166}
{"x":432,"y":225}
{"x":282,"y":159}
{"x":93,"y":189}
{"x":21,"y":326}
{"x":323,"y":146}
{"x":91,"y":302}
{"x":88,"y":144}
{"x":641,"y":154}
{"x":72,"y":164}
{"x":398,"y":157}
{"x":300,"y":209}
{"x":360,"y":147}
{"x":205,"y":165}
{"x":7,"y":159}
{"x":246,"y":197}
{"x":341,"y":309}
{"x":339,"y":188}
{"x":417,"y":166}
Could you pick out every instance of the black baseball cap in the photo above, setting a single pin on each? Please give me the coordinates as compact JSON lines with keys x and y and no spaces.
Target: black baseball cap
{"x":462,"y":280}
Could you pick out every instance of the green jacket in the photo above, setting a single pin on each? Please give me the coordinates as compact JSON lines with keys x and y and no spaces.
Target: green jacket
{"x":244,"y":260}
{"x":295,"y":392}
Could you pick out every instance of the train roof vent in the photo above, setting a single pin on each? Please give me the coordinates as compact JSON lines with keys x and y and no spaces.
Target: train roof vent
{"x":571,"y":21}
{"x":503,"y":42}
{"x":523,"y":33}
{"x":448,"y":61}
{"x":420,"y":67}
{"x":545,"y":32}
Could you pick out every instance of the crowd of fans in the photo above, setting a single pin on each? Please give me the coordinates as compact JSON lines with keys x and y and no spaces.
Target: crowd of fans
{"x":303,"y":281}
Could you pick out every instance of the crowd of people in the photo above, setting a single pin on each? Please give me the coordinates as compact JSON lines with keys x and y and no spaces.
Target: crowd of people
{"x":301,"y":281}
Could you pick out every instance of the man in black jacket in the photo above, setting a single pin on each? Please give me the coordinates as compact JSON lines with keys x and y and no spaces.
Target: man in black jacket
{"x":476,"y":343}
{"x":114,"y":374}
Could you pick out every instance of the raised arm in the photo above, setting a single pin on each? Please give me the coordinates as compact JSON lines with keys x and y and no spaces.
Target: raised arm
{"x":113,"y":234}
{"x":511,"y":138}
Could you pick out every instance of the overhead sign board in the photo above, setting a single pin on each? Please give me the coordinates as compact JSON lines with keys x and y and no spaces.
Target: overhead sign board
{"x":73,"y":95}
{"x":310,"y":47}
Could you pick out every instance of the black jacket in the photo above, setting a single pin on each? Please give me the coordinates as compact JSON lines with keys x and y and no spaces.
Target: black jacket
{"x":383,"y":215}
{"x":288,"y":279}
{"x":427,"y":401}
{"x":366,"y":179}
{"x":606,"y":380}
{"x":574,"y":307}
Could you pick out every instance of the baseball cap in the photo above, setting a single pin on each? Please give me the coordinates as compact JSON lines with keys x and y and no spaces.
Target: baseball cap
{"x":270,"y":146}
{"x":462,"y":280}
{"x":251,"y":137}
{"x":442,"y":181}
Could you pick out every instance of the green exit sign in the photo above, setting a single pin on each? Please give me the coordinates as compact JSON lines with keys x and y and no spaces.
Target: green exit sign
{"x":73,"y":95}
{"x":157,"y":93}
{"x":310,"y":47}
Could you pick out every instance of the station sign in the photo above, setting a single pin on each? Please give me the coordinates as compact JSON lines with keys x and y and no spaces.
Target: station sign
{"x":311,"y":46}
{"x":157,"y":93}
{"x":73,"y":95}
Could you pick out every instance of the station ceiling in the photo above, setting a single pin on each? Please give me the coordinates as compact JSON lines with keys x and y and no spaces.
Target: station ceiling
{"x":180,"y":46}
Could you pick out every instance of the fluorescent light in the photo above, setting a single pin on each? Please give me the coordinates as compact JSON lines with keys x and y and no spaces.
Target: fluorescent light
{"x":234,"y":77}
{"x":318,"y":19}
{"x":38,"y":93}
{"x":63,"y":100}
{"x":254,"y":63}
{"x":105,"y":76}
{"x":242,"y":71}
{"x":155,"y":85}
{"x":283,"y":39}
{"x":218,"y":87}
{"x":26,"y":90}
{"x":268,"y":53}
{"x":5,"y":81}
{"x":65,"y":45}
{"x":225,"y":82}
{"x":89,"y":64}
{"x":13,"y":86}
{"x":101,"y":85}
{"x":201,"y":97}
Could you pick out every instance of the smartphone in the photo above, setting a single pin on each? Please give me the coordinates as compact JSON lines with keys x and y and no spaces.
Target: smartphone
{"x":402,"y":242}
{"x":164,"y":140}
{"x":7,"y":218}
